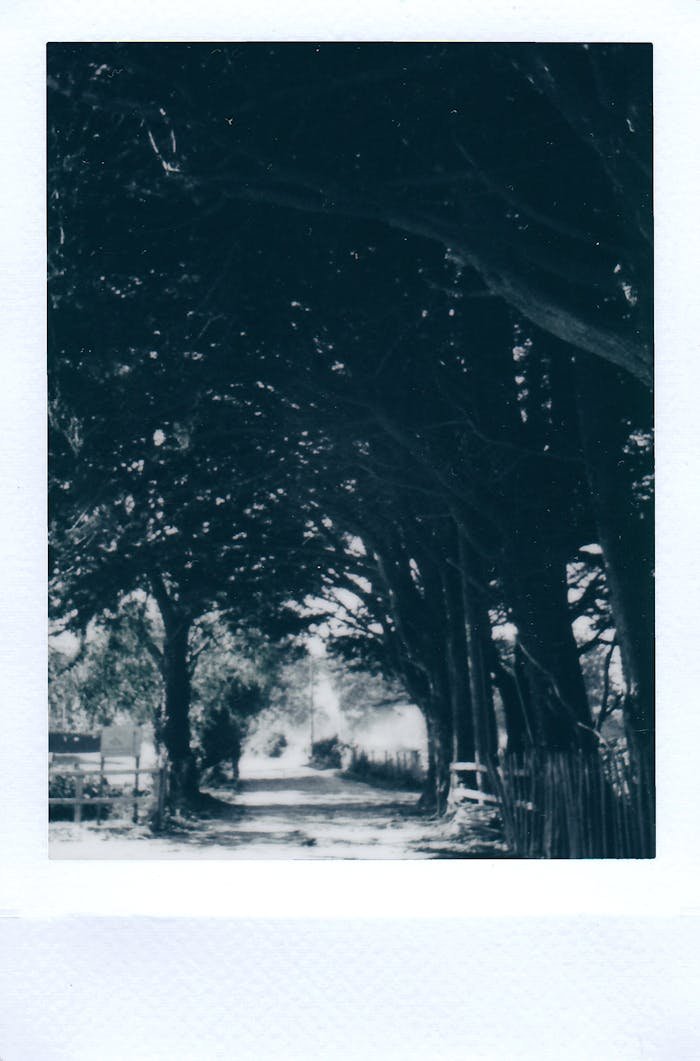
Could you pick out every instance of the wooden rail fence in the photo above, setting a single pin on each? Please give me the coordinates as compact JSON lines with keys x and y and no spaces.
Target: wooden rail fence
{"x":78,"y":774}
{"x":478,"y":794}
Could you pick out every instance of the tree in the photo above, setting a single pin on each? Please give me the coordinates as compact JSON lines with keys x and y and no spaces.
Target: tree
{"x":556,"y":127}
{"x":105,"y":677}
{"x":165,"y":476}
{"x":385,"y":314}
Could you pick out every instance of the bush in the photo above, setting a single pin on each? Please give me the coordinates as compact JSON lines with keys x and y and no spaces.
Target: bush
{"x":224,"y":723}
{"x":275,"y":745}
{"x":220,"y":739}
{"x":327,"y":754}
{"x":62,"y":786}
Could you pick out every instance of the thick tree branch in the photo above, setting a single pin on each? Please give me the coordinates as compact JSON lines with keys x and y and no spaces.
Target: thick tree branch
{"x":632,"y":354}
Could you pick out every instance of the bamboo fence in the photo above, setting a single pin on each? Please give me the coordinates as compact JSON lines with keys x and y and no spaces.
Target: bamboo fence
{"x":574,"y":804}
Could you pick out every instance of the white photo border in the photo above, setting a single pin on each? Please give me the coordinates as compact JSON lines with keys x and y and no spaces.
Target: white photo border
{"x":31,"y":884}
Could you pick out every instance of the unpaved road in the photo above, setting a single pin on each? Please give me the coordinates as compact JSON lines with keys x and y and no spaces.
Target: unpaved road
{"x":283,"y":812}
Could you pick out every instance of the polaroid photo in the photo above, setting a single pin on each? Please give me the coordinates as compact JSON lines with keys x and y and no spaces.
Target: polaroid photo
{"x":347,"y":372}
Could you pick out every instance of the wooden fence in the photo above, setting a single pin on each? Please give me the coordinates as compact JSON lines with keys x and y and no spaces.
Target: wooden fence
{"x":400,"y":768}
{"x":566,"y":804}
{"x":78,"y":775}
{"x":480,"y":791}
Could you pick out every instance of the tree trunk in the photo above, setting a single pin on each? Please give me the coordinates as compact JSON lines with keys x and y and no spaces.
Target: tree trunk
{"x":515,"y":699}
{"x":421,"y":628}
{"x":537,"y":591}
{"x":428,"y":798}
{"x":183,"y":776}
{"x":478,"y":635}
{"x":458,"y":669}
{"x":608,"y":408}
{"x":440,"y":757}
{"x":447,"y":663}
{"x":176,"y":729}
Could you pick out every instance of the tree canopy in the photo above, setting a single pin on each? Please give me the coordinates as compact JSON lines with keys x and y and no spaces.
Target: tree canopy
{"x":368,"y":324}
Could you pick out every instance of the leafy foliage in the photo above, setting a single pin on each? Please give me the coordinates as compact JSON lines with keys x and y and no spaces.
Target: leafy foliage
{"x":223,"y":726}
{"x":355,"y":338}
{"x":63,"y":786}
{"x":326,"y":754}
{"x":110,"y":678}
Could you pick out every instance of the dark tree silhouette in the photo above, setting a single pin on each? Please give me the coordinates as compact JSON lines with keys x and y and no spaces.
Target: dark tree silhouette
{"x":397,"y":294}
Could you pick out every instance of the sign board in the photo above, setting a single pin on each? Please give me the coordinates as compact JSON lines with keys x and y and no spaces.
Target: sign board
{"x":72,"y":743}
{"x":121,"y":740}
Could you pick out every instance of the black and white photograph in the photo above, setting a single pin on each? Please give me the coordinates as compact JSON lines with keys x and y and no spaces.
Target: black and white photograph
{"x":350,"y":421}
{"x":348,"y":649}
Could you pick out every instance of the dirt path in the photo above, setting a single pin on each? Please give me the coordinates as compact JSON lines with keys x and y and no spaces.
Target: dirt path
{"x":283,"y":812}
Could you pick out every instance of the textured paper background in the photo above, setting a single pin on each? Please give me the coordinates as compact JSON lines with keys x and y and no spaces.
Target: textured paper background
{"x":613,"y":983}
{"x":504,"y":990}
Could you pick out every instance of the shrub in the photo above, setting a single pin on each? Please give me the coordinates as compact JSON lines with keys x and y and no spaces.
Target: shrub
{"x":275,"y":745}
{"x":223,"y":725}
{"x":62,"y":786}
{"x":220,"y":738}
{"x":327,"y":754}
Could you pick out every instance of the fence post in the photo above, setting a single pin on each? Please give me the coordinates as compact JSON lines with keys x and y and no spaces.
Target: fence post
{"x":78,"y":807}
{"x":100,"y":790}
{"x":136,"y":791}
{"x":155,"y":821}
